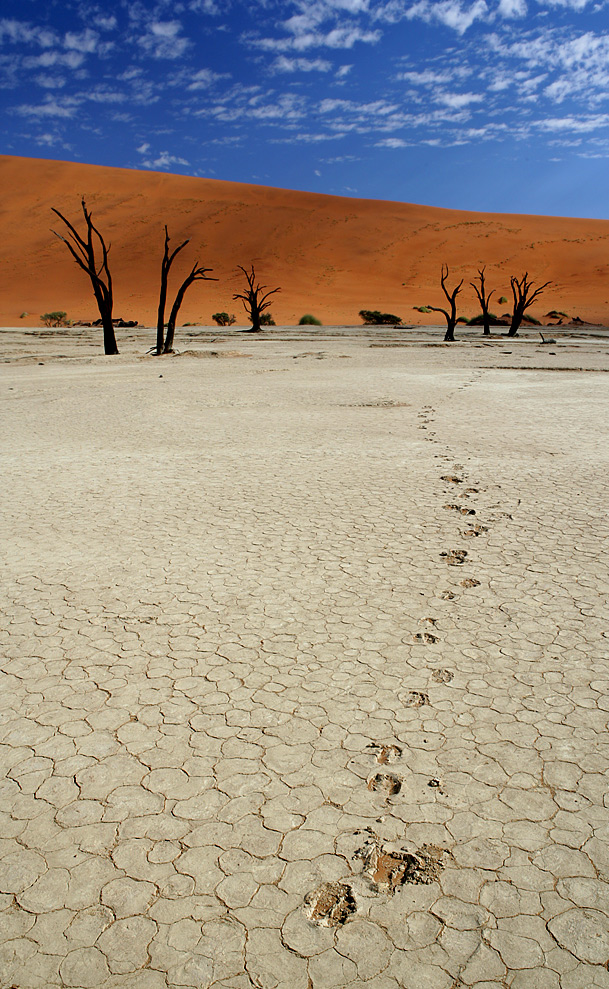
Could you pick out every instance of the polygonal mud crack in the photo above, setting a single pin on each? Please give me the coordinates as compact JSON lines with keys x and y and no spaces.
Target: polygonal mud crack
{"x":454,"y":557}
{"x":386,"y":753}
{"x":389,"y":869}
{"x":425,"y":637}
{"x":417,"y":698}
{"x":442,"y":676}
{"x":385,"y":783}
{"x":470,"y":582}
{"x":330,"y":905}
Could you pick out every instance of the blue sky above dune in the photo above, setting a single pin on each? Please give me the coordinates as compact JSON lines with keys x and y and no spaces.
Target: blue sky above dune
{"x":474,"y":104}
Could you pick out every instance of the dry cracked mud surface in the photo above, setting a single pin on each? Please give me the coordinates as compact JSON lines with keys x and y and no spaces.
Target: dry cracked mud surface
{"x":231,"y":753}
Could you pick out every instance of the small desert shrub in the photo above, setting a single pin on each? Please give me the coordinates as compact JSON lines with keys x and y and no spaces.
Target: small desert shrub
{"x":502,"y":300}
{"x":372,"y":317}
{"x":267,"y":320}
{"x":224,"y":319}
{"x":422,"y":308}
{"x":55,"y":318}
{"x":23,"y":315}
{"x":309,"y":320}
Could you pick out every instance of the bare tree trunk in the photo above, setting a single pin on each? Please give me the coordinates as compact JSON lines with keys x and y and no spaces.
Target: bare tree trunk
{"x":450,"y":317}
{"x":254,"y":299}
{"x":166,"y":264}
{"x":523,"y":298}
{"x":483,"y":299}
{"x":83,"y":252}
{"x":196,"y":274}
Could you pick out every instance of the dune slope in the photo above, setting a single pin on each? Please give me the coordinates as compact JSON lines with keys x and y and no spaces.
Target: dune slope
{"x":331,"y":256}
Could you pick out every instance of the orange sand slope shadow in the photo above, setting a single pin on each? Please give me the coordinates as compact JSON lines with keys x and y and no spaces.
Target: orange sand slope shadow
{"x":331,"y":256}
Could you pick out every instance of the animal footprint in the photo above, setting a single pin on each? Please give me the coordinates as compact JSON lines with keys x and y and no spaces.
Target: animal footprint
{"x":388,"y":869}
{"x":417,"y":698}
{"x":330,"y":905}
{"x":451,"y":478}
{"x":426,"y":638}
{"x":386,"y":753}
{"x":470,"y":582}
{"x":447,"y":596}
{"x":385,"y":783}
{"x":455,"y":557}
{"x":442,"y":676}
{"x":476,"y":530}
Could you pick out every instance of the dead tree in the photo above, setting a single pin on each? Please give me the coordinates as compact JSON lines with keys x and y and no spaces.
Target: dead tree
{"x":483,"y":299}
{"x":83,"y":252}
{"x":451,"y":317}
{"x":523,"y":298}
{"x":164,"y":343}
{"x":196,"y":274}
{"x":254,"y":298}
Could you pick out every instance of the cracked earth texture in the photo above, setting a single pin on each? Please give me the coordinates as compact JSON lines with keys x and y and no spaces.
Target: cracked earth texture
{"x":256,"y":730}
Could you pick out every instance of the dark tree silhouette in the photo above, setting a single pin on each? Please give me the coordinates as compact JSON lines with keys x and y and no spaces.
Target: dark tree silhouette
{"x":523,"y":298}
{"x":83,"y":252}
{"x":450,"y":316}
{"x":254,"y":298}
{"x":164,"y":343}
{"x":483,"y":299}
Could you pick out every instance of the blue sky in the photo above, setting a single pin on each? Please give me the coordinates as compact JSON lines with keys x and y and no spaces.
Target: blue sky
{"x":473,"y":104}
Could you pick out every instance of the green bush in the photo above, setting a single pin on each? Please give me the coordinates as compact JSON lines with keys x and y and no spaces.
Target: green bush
{"x":224,"y":319}
{"x":502,"y":300}
{"x":422,"y":308}
{"x":55,"y":318}
{"x":267,"y":320}
{"x":309,"y":320}
{"x":372,"y":317}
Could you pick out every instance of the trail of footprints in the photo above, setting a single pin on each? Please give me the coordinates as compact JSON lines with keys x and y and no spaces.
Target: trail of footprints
{"x":385,"y":867}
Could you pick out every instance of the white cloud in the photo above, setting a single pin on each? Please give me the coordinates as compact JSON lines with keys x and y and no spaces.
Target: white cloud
{"x":24,"y":33}
{"x":85,"y":41}
{"x":205,"y":78}
{"x":105,"y":23}
{"x":69,"y":59}
{"x":164,"y":161}
{"x":50,"y":82}
{"x":66,"y":107}
{"x":458,"y":100}
{"x":450,"y":13}
{"x":391,"y":142}
{"x":512,"y":8}
{"x":285,"y":64}
{"x":163,"y":40}
{"x":573,"y":124}
{"x":425,"y":78}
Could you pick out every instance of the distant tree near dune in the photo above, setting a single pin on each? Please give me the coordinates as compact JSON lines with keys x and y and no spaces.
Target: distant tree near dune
{"x":450,"y":316}
{"x":164,"y":341}
{"x":523,"y":298}
{"x":483,"y":298}
{"x":83,"y":252}
{"x":224,"y":318}
{"x":254,"y":298}
{"x":373,"y":317}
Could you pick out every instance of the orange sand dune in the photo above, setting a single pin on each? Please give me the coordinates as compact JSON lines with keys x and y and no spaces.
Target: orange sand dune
{"x":331,"y":256}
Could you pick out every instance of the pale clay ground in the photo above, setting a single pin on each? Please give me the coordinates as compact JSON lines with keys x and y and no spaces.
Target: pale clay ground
{"x":225,"y":594}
